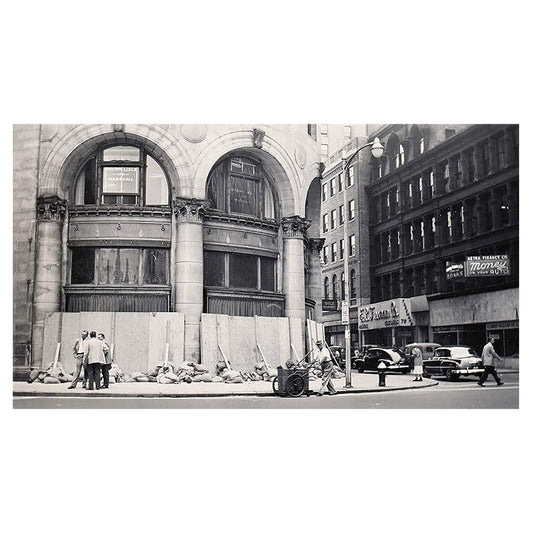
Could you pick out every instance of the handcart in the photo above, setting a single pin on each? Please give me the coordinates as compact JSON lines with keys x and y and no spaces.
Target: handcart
{"x":291,"y":382}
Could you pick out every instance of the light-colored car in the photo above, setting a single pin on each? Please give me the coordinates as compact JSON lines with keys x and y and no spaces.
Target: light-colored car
{"x":453,"y":362}
{"x":428,"y":349}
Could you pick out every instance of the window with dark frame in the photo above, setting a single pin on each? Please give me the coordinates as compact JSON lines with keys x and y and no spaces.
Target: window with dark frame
{"x":239,"y":185}
{"x":121,"y":175}
{"x":239,"y":271}
{"x":119,"y":266}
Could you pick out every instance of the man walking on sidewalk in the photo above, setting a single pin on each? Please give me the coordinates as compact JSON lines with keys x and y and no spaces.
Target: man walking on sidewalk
{"x":487,"y":357}
{"x":79,"y":350}
{"x":324,"y":358}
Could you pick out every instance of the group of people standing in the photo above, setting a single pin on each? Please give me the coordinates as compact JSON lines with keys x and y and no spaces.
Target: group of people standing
{"x":92,"y":354}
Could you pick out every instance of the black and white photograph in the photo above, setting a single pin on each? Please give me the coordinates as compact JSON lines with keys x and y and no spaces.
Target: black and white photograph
{"x":263,"y":267}
{"x":259,"y":265}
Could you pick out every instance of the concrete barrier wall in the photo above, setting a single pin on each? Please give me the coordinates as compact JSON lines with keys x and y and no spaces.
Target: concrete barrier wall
{"x":238,"y":338}
{"x":139,"y":339}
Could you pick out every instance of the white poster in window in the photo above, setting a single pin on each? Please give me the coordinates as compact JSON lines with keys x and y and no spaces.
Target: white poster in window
{"x":121,"y":180}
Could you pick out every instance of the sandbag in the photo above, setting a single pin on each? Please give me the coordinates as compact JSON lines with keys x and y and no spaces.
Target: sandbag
{"x":128,"y":378}
{"x":236,"y":379}
{"x":142,"y":379}
{"x":136,"y":375}
{"x":152,"y":379}
{"x":217,"y":379}
{"x":205,"y":377}
{"x":200,"y":368}
{"x":55,"y":373}
{"x":34,"y":374}
{"x":173,"y":377}
{"x":153,"y":373}
{"x":41,"y":376}
{"x":221,"y":365}
{"x":51,"y":380}
{"x":231,"y":374}
{"x":164,"y":380}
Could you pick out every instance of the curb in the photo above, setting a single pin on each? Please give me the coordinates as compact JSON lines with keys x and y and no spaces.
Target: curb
{"x":199,"y":395}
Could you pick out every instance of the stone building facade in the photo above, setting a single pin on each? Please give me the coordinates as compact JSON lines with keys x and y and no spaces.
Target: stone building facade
{"x":156,"y":218}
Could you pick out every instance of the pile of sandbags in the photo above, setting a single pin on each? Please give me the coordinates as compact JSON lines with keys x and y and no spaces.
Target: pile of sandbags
{"x":116,"y":375}
{"x":265,"y":372}
{"x":166,"y":374}
{"x":50,"y":375}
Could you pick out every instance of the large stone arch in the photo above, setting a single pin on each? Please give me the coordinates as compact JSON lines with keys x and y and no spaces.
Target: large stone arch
{"x":273,"y":156}
{"x":69,"y":151}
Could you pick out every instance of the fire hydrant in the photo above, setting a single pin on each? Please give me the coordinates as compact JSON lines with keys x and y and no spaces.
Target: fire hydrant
{"x":381,"y":373}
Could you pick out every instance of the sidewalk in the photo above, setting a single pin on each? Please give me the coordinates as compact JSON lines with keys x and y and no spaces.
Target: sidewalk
{"x":360,"y":383}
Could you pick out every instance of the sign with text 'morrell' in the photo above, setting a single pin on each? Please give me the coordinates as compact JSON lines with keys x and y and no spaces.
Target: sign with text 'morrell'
{"x":388,"y":314}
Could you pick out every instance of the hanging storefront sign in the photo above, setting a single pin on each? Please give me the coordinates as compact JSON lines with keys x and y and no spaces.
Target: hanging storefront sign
{"x":388,"y":314}
{"x":454,"y":270}
{"x":487,"y":265}
{"x":329,"y":305}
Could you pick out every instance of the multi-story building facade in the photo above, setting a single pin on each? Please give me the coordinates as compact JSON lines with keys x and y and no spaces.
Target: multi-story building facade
{"x":142,"y":219}
{"x":440,"y":194}
{"x":334,"y":216}
{"x":332,"y":137}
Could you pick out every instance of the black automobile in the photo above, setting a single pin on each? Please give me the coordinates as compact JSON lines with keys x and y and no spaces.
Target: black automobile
{"x":392,"y":358}
{"x":453,"y":362}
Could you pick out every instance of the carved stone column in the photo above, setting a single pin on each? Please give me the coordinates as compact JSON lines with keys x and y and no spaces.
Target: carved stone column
{"x":315,"y":274}
{"x":47,"y":293}
{"x":189,"y":270}
{"x":294,"y":229}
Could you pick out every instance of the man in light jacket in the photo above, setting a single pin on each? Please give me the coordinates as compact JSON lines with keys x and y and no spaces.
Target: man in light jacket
{"x":324,"y":358}
{"x":79,"y":357}
{"x":487,"y":357}
{"x":95,"y":358}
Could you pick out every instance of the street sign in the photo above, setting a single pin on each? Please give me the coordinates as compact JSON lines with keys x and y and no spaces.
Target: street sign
{"x":329,"y":305}
{"x":345,"y":319}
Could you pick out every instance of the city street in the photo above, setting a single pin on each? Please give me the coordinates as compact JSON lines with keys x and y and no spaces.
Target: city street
{"x":464,"y":394}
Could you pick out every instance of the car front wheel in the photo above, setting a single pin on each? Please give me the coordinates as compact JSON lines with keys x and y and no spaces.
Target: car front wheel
{"x":451,"y":376}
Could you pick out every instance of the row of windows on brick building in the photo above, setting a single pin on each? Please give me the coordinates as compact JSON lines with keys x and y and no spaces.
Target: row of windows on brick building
{"x":329,"y":220}
{"x":337,"y":251}
{"x":336,"y":287}
{"x":335,"y":185}
{"x":472,"y":164}
{"x":494,"y":209}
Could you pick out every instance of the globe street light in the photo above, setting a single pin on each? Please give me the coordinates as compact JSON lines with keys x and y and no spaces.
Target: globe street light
{"x":376,"y":148}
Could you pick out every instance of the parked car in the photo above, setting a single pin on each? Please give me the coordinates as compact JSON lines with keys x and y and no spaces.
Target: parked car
{"x":391,"y":357}
{"x":428,"y":349}
{"x":453,"y":362}
{"x":339,"y":353}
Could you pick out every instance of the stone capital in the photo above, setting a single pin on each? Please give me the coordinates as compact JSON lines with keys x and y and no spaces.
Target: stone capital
{"x":315,"y":246}
{"x":294,"y":227}
{"x":51,"y":208}
{"x":189,"y":209}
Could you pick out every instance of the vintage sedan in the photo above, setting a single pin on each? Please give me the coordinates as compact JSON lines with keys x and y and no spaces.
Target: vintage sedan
{"x":453,"y":362}
{"x":392,"y":358}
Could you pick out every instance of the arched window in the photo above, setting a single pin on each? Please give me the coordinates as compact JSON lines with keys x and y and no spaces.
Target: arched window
{"x":239,"y":185}
{"x":326,"y":288}
{"x":334,"y":286}
{"x":121,"y":175}
{"x":400,"y":156}
{"x":353,"y":288}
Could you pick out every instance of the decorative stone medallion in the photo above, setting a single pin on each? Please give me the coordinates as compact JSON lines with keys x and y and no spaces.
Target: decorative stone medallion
{"x":194,"y":133}
{"x":300,"y":156}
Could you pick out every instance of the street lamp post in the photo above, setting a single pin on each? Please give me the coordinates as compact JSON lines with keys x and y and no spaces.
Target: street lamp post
{"x":377,"y":151}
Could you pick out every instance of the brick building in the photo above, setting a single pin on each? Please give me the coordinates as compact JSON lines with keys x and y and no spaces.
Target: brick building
{"x":440,"y":194}
{"x":143,"y":219}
